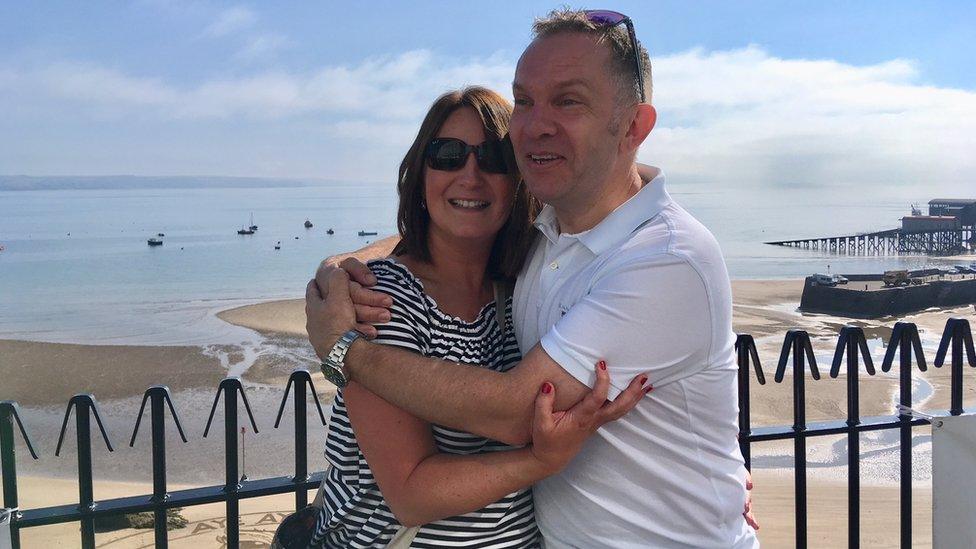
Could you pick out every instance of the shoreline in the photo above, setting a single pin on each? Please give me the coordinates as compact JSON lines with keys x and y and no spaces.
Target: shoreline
{"x":119,"y":374}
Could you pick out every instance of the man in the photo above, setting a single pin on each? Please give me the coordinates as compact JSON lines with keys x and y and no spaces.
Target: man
{"x":619,"y":272}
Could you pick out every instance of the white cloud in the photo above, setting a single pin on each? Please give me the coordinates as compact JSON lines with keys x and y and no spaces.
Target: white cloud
{"x":231,"y":20}
{"x":743,"y":117}
{"x":262,"y":46}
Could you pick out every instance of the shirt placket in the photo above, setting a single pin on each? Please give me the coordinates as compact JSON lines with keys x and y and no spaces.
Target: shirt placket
{"x":553,"y":273}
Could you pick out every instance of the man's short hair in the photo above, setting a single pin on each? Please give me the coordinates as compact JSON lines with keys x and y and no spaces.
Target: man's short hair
{"x":617,"y":40}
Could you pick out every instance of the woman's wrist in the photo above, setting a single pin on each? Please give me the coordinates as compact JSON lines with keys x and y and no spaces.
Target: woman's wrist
{"x":541,"y":467}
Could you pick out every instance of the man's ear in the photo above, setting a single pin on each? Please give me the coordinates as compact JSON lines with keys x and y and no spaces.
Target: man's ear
{"x":645,"y":116}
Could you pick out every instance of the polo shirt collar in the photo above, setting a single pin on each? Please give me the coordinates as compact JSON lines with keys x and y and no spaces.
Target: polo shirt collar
{"x":619,"y":224}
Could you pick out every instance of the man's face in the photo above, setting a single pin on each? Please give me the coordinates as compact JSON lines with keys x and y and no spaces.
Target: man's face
{"x":564,"y":112}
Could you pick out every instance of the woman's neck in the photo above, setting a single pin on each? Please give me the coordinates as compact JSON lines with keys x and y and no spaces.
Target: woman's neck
{"x":455,"y":275}
{"x":463,"y":262}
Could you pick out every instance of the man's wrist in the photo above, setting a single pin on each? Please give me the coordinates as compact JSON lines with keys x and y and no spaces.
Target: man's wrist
{"x":354,"y":357}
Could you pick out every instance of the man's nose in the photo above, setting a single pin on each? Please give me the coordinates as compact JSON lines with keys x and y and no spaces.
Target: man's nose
{"x":538,"y":122}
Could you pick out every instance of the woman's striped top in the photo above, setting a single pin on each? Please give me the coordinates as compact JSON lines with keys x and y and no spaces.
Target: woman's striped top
{"x":355,"y":514}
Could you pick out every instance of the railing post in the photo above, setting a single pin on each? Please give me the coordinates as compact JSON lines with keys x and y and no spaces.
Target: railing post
{"x":745,"y":348}
{"x":301,"y":380}
{"x":158,"y":396}
{"x":798,"y":342}
{"x":905,"y":338}
{"x":957,"y":331}
{"x":232,"y":482}
{"x":851,"y":341}
{"x":8,"y":462}
{"x":85,"y":406}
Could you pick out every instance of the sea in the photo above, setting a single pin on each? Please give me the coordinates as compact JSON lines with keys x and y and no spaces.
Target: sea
{"x":75,"y":266}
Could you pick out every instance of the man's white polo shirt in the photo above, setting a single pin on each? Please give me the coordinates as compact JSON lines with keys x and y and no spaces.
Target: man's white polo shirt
{"x":646,"y":290}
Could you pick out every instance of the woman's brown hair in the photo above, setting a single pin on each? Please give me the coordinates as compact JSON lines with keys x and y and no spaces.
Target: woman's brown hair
{"x":514,"y":238}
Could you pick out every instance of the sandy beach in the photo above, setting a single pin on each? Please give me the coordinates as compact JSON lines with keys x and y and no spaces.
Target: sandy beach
{"x":35,"y":375}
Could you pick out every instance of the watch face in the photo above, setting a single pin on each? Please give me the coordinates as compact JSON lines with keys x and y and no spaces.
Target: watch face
{"x":334,"y":376}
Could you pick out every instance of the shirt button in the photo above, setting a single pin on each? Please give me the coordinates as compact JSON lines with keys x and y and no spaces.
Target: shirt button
{"x":554,"y":265}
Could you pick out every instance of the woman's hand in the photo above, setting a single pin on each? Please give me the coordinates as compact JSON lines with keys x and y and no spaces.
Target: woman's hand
{"x":558,"y":436}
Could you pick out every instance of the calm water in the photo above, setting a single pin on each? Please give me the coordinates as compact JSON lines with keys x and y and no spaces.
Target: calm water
{"x":76,"y":266}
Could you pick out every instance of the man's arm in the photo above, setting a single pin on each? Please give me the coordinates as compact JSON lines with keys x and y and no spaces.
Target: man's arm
{"x":498,"y":405}
{"x":422,"y":485}
{"x":376,"y":250}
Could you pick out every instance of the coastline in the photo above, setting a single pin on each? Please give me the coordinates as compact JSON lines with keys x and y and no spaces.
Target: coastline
{"x":118,"y":375}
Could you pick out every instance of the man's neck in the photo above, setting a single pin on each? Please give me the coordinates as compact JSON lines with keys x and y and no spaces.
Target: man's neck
{"x":582,"y":216}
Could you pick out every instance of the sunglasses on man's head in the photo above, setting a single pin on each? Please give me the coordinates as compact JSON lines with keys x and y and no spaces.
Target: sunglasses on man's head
{"x":451,"y":154}
{"x":609,"y":19}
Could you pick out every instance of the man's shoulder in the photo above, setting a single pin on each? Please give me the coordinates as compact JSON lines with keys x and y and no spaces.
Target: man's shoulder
{"x":672,"y":235}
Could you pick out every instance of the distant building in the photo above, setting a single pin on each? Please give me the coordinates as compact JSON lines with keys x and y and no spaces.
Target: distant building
{"x":963,"y":209}
{"x":922,"y":223}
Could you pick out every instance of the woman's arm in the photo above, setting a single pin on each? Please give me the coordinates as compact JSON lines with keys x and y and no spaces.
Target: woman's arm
{"x":419,"y":483}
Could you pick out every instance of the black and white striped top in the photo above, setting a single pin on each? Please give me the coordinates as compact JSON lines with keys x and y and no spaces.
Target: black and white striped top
{"x":355,"y":514}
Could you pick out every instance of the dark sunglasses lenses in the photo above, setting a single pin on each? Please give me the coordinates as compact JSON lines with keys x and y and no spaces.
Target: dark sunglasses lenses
{"x":450,"y":154}
{"x":605,"y":17}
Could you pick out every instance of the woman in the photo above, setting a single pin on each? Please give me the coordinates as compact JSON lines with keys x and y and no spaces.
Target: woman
{"x":465,"y":230}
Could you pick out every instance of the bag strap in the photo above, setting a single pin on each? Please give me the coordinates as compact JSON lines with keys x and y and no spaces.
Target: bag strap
{"x":502,"y":291}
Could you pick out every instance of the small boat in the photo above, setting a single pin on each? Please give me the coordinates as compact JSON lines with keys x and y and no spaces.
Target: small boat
{"x":245,"y":230}
{"x":278,"y":245}
{"x":155,"y":241}
{"x":252,"y":226}
{"x":330,"y":231}
{"x":367,"y":233}
{"x":308,"y":224}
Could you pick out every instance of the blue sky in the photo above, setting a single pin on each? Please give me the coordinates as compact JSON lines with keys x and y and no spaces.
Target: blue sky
{"x":837,"y":92}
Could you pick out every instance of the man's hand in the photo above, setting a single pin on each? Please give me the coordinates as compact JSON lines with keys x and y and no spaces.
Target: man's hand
{"x":327,"y":320}
{"x":747,"y":509}
{"x":558,"y":436}
{"x":371,"y":306}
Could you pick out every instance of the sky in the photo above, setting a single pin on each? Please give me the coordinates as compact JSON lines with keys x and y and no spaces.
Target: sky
{"x":760,"y":94}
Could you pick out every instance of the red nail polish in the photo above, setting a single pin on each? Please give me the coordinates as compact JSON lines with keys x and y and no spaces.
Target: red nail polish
{"x":546,"y":388}
{"x":643,"y":380}
{"x":649,"y":389}
{"x":602,"y":365}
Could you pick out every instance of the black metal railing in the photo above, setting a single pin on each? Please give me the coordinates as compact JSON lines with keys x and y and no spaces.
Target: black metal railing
{"x":234,"y":489}
{"x":851,"y":343}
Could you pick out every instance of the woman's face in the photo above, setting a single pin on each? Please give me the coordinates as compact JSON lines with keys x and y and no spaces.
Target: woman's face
{"x":468,"y":203}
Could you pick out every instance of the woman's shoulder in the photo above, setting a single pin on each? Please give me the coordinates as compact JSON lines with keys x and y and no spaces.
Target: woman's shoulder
{"x":393,"y":275}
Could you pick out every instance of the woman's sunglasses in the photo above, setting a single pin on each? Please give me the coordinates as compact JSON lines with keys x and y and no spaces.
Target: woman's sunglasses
{"x":451,"y":154}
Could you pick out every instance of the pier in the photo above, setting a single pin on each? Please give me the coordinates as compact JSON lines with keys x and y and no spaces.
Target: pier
{"x":949,"y":229}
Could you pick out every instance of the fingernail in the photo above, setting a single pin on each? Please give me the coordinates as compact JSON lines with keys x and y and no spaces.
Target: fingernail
{"x":385,"y":317}
{"x":649,"y":389}
{"x":643,"y":380}
{"x":602,"y":365}
{"x":546,"y":388}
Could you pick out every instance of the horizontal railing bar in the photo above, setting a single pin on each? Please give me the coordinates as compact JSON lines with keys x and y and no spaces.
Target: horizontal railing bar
{"x":180,"y":498}
{"x":826,"y":428}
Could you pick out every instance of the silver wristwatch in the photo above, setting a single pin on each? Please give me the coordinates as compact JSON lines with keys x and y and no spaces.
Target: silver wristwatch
{"x":333,"y":366}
